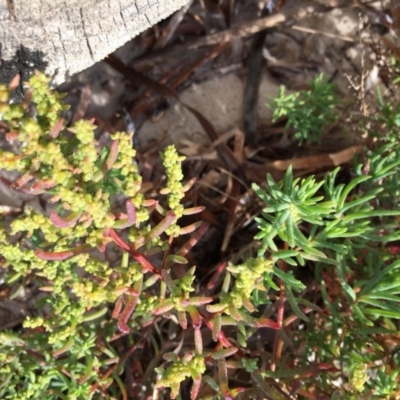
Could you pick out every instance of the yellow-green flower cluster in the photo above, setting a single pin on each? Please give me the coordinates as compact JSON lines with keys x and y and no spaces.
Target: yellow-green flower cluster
{"x":89,"y":293}
{"x":97,"y":209}
{"x":358,"y":377}
{"x":33,"y":322}
{"x":59,"y":171}
{"x":22,"y":261}
{"x":135,"y":272}
{"x":32,"y":222}
{"x":132,"y":182}
{"x":184,"y":285}
{"x":178,"y":372}
{"x":117,"y":285}
{"x":173,"y":168}
{"x":30,"y":133}
{"x":249,"y":276}
{"x":72,"y":315}
{"x":85,"y":153}
{"x":11,"y":162}
{"x":10,"y":112}
{"x":146,"y":306}
{"x":35,"y":388}
{"x":48,"y":102}
{"x":126,"y":153}
{"x":4,"y":94}
{"x":96,"y":267}
{"x":103,"y":289}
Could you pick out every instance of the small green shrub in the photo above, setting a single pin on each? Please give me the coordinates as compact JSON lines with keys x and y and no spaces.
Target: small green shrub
{"x":308,"y":112}
{"x":324,"y":282}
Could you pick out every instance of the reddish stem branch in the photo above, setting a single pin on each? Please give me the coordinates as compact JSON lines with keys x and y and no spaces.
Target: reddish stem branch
{"x":140,"y":258}
{"x":113,"y":155}
{"x":131,"y":217}
{"x":125,"y":315}
{"x":221,"y":337}
{"x":193,"y":240}
{"x":162,"y":226}
{"x":61,"y":255}
{"x":68,"y":222}
{"x":278,"y":342}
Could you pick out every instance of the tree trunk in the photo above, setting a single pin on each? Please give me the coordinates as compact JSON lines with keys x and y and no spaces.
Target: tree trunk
{"x":63,"y":37}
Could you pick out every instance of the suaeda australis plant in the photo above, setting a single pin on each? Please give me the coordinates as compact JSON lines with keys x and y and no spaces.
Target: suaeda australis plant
{"x":65,"y":250}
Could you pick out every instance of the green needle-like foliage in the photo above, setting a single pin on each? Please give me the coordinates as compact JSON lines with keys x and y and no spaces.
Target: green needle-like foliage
{"x":308,"y":112}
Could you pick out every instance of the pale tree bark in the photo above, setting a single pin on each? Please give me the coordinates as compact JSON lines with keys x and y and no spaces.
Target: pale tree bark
{"x":63,"y":37}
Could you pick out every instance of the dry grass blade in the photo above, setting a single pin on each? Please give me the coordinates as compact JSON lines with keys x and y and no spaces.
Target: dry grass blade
{"x":392,"y":46}
{"x":254,"y":72}
{"x":171,"y":28}
{"x":318,"y":161}
{"x":234,"y":193}
{"x":327,"y":34}
{"x":14,"y":83}
{"x":83,"y":103}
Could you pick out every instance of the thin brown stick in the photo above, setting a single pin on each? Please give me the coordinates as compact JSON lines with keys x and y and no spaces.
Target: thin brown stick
{"x":171,"y":27}
{"x":323,"y":33}
{"x":246,"y":29}
{"x":11,"y":11}
{"x":254,"y":72}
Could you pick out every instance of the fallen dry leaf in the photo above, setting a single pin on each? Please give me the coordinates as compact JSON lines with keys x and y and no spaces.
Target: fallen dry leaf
{"x":319,"y":161}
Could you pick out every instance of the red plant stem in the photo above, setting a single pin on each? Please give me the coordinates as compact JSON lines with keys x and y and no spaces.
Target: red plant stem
{"x":128,"y":310}
{"x":40,"y":357}
{"x":278,"y":342}
{"x":217,"y":274}
{"x":12,"y":185}
{"x":162,"y":226}
{"x":193,"y":240}
{"x":22,"y":181}
{"x":223,"y":379}
{"x":130,"y":220}
{"x":293,"y":318}
{"x":122,"y":360}
{"x":15,"y":81}
{"x":112,"y":156}
{"x":56,"y":129}
{"x":37,"y":188}
{"x":193,"y":210}
{"x":221,"y":337}
{"x":117,"y":308}
{"x":61,"y":255}
{"x":190,"y":228}
{"x":166,"y":253}
{"x":45,"y":184}
{"x":118,"y":240}
{"x":140,"y":258}
{"x":131,"y":211}
{"x":61,"y":223}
